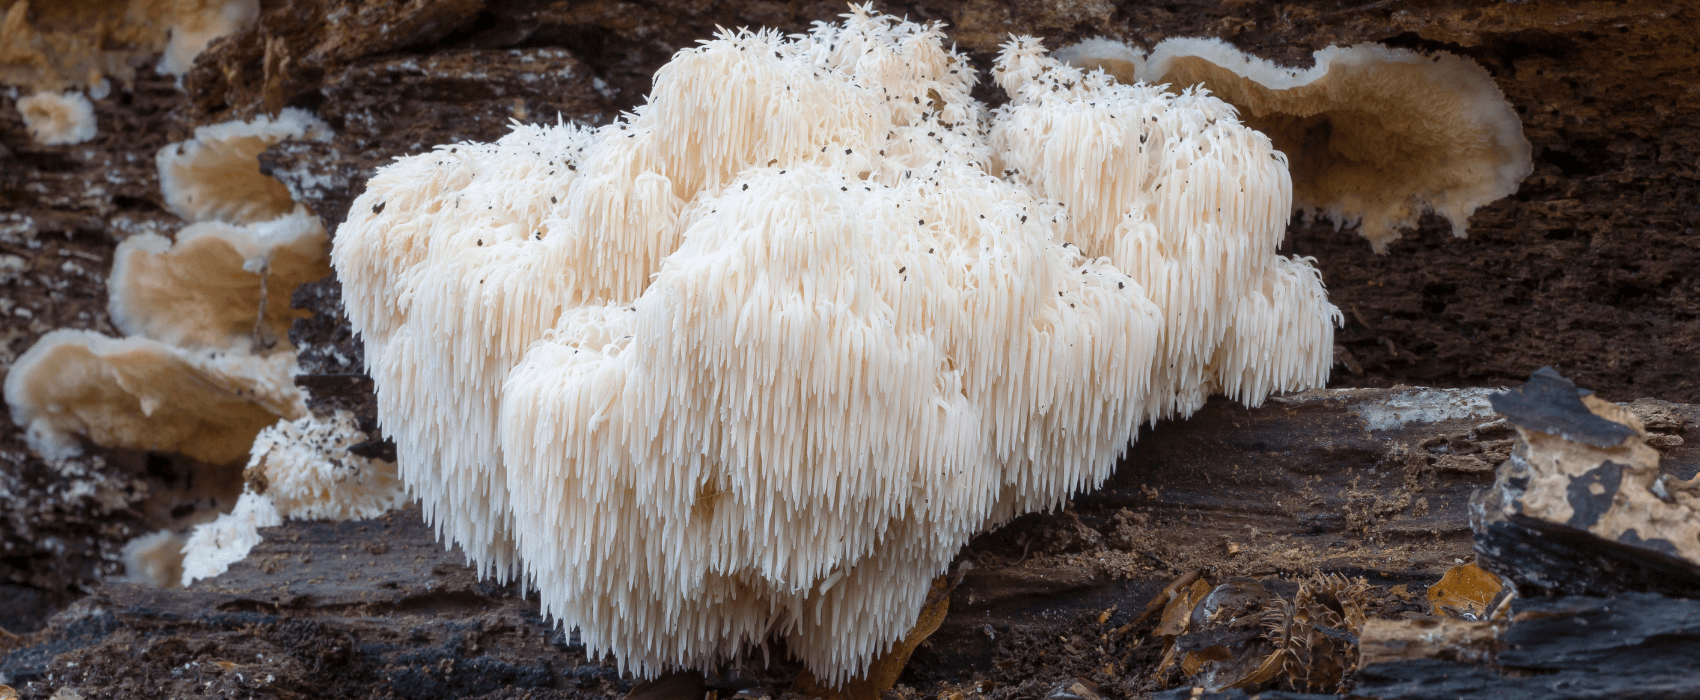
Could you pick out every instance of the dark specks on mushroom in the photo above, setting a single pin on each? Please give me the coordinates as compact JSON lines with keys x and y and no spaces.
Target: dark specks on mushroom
{"x":378,"y":208}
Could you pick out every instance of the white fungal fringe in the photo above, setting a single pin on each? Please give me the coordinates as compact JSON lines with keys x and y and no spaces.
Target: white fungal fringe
{"x":759,"y":358}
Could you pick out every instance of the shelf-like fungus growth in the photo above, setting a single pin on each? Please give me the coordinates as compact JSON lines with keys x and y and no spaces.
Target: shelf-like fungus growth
{"x":217,"y":285}
{"x":56,"y":45}
{"x":1376,"y":136}
{"x":196,"y":23}
{"x":55,"y":118}
{"x":139,"y":393}
{"x":758,"y":359}
{"x":216,"y":175}
{"x":206,"y":362}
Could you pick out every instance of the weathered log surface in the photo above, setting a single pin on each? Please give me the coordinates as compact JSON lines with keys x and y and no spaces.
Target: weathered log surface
{"x":1352,"y":482}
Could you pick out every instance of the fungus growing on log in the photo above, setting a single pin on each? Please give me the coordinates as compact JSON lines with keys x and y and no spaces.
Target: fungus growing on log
{"x":216,"y":175}
{"x":299,"y":469}
{"x":1376,"y":136}
{"x":138,"y":393}
{"x":217,"y":285}
{"x":55,"y":119}
{"x":207,"y":363}
{"x":758,"y":359}
{"x":54,"y":45}
{"x":196,"y":23}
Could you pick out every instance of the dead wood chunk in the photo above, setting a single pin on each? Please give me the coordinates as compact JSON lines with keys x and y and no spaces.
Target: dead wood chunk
{"x":1632,"y":645}
{"x":1447,"y":639}
{"x":1581,"y":507}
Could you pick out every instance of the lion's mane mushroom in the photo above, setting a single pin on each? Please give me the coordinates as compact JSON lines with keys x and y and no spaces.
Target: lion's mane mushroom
{"x":1376,"y":136}
{"x":786,"y":322}
{"x":55,"y":118}
{"x":1188,"y":202}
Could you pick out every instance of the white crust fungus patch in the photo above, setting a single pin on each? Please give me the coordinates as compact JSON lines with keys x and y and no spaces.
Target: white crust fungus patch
{"x":758,"y":359}
{"x":142,"y":394}
{"x":58,"y":118}
{"x":218,"y":285}
{"x":213,"y":547}
{"x":299,"y":469}
{"x":1376,"y":136}
{"x":1423,"y":406}
{"x":216,"y":175}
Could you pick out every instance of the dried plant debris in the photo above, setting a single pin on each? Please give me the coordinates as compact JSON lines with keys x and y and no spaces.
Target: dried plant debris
{"x":1581,"y":507}
{"x":1250,"y":635}
{"x":1466,"y":592}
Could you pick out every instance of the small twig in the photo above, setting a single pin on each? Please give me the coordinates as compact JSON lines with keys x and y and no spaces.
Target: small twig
{"x":1163,"y":597}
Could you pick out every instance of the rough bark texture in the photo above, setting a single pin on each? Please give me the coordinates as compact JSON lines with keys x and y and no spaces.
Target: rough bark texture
{"x":1360,"y":482}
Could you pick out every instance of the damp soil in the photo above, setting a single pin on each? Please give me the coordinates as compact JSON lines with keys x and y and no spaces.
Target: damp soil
{"x":1592,"y":267}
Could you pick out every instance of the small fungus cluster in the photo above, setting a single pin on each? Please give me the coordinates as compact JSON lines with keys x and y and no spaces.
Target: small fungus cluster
{"x":757,"y":359}
{"x":205,"y":362}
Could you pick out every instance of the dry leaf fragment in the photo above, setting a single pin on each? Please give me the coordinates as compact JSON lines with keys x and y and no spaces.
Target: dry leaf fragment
{"x":1464,"y":592}
{"x":1163,"y":597}
{"x":1178,"y":613}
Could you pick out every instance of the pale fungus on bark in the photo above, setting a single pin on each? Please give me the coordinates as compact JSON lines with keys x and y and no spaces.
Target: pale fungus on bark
{"x":139,"y":393}
{"x":757,"y":359}
{"x":299,"y":469}
{"x":216,"y":175}
{"x":206,"y":362}
{"x":217,"y":285}
{"x":197,"y":23}
{"x":56,"y":119}
{"x":1376,"y":136}
{"x":58,"y":45}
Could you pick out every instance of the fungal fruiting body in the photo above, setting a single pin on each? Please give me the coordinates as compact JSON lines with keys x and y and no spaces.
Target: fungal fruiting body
{"x":298,"y":469}
{"x":216,"y":175}
{"x":1377,"y":136}
{"x":55,"y":119}
{"x":758,"y":359}
{"x":142,"y":394}
{"x":217,"y":285}
{"x":197,"y":23}
{"x":205,"y":363}
{"x":54,"y":45}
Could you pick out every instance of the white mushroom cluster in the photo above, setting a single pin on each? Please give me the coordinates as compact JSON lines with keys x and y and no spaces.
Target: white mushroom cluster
{"x":299,"y":469}
{"x":759,"y":358}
